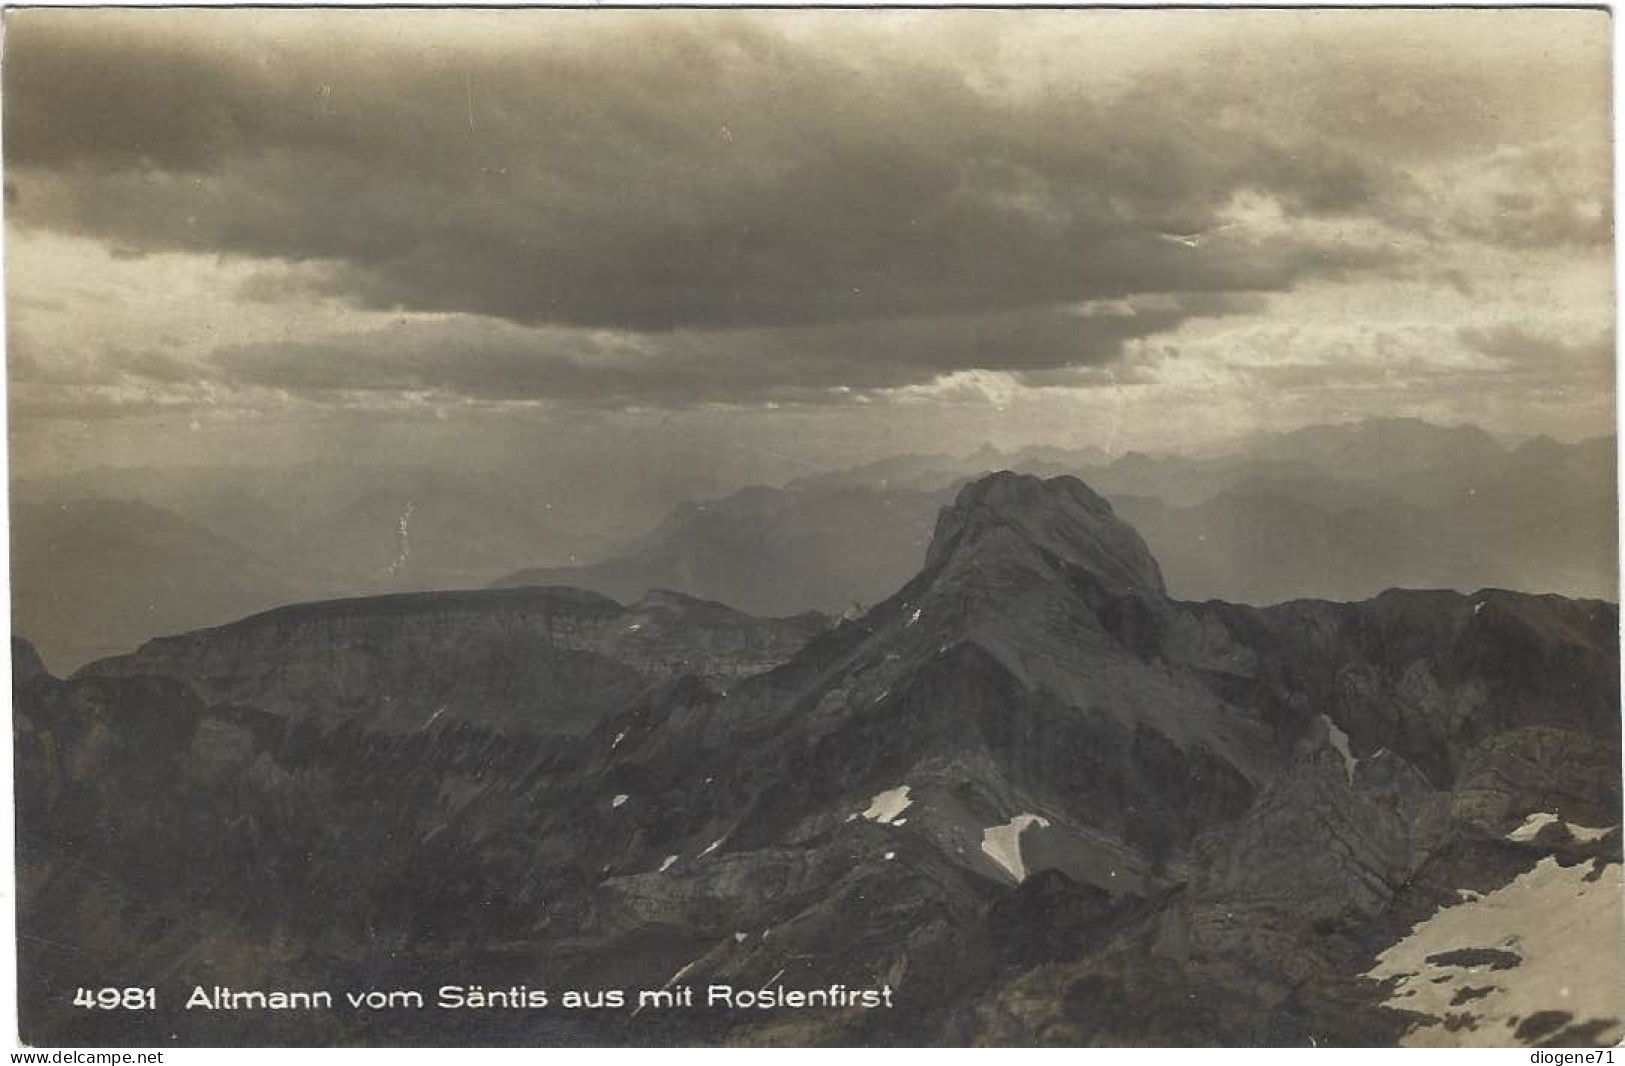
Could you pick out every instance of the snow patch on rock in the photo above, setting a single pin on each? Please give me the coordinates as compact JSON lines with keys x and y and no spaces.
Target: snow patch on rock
{"x":1002,"y":843}
{"x":1340,"y":741}
{"x":1539,"y":820}
{"x":888,"y":805}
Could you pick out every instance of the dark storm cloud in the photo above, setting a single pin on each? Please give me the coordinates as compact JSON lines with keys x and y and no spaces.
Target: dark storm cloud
{"x":489,"y":360}
{"x":700,"y":172}
{"x":677,"y":207}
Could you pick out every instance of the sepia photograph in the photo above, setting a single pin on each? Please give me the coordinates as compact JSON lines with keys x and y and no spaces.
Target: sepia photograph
{"x":909,"y":527}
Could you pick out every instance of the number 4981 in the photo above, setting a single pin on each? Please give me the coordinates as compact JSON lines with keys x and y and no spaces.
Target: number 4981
{"x":116,"y":998}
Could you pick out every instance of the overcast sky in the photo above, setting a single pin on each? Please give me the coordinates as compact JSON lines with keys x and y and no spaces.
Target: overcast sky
{"x":252,"y":234}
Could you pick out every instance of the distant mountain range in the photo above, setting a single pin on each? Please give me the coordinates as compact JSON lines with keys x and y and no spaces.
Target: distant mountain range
{"x":94,"y":576}
{"x":433,"y":536}
{"x":1339,"y":512}
{"x":90,"y":578}
{"x":1028,"y":791}
{"x":824,"y":546}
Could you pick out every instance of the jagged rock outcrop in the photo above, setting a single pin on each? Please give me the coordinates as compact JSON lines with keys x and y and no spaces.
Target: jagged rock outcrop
{"x":1061,"y":517}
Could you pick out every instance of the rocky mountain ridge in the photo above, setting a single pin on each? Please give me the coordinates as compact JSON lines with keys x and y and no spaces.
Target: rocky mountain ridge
{"x":1042,"y":800}
{"x":542,"y":660}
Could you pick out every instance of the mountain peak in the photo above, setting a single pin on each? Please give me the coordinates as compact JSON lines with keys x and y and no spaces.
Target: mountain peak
{"x":1061,"y":516}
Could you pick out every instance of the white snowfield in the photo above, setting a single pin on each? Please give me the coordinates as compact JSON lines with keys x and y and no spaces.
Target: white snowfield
{"x":888,"y":805}
{"x":1558,"y":926}
{"x":1002,"y":843}
{"x":1533,"y":824}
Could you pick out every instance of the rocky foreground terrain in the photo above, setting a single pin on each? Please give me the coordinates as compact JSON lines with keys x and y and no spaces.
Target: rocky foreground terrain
{"x":1029,"y":793}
